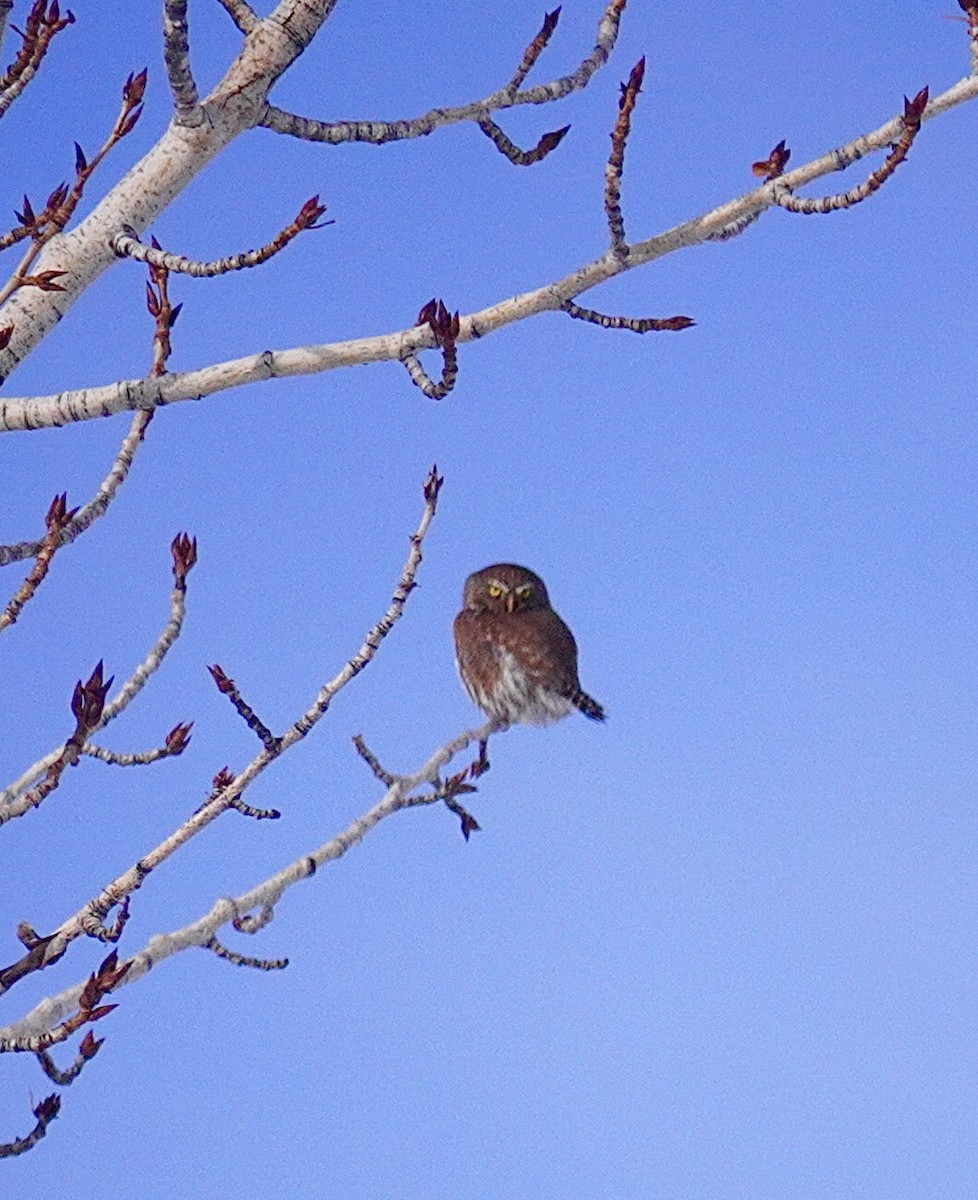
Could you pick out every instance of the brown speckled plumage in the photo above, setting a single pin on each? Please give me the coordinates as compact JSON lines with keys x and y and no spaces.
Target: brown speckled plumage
{"x":516,"y":657}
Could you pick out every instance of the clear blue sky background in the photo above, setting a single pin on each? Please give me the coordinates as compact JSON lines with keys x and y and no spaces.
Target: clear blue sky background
{"x":722,"y":947}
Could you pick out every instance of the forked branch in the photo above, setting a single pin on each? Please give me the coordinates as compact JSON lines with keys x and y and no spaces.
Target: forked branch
{"x":719,"y":223}
{"x":228,"y":788}
{"x":379,"y":132}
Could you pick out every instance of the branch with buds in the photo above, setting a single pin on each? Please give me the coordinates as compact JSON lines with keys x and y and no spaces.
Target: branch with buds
{"x":20,"y":796}
{"x":228,"y":788}
{"x":509,"y":96}
{"x":57,"y":519}
{"x":913,"y":111}
{"x":176,"y":56}
{"x":444,"y":328}
{"x":97,"y":506}
{"x":127,"y":245}
{"x":44,"y":22}
{"x":45,"y":1112}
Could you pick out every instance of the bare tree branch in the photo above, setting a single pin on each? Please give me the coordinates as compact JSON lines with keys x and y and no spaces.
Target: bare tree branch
{"x":379,"y":132}
{"x":87,"y":1049}
{"x":43,"y":24}
{"x":176,"y":55}
{"x":509,"y":149}
{"x":58,"y":517}
{"x":15,"y":799}
{"x":17,"y":413}
{"x":99,"y":503}
{"x":241,"y":13}
{"x":616,"y":161}
{"x":400,"y":795}
{"x":912,"y":110}
{"x":243,"y":960}
{"x":227,"y":789}
{"x":45,"y":1112}
{"x":128,"y":245}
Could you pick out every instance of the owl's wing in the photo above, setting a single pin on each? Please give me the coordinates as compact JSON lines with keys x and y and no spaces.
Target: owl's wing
{"x":545,"y":648}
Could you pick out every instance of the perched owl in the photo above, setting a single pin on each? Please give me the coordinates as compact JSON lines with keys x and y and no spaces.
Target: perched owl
{"x":516,"y":657}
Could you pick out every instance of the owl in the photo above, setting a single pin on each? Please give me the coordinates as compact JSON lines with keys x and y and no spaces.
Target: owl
{"x":516,"y":657}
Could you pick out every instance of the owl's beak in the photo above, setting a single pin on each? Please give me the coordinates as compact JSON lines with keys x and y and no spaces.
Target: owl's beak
{"x":510,"y":601}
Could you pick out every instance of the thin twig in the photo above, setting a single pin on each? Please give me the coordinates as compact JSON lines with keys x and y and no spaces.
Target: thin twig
{"x":99,"y":503}
{"x":88,"y":1048}
{"x":616,"y":160}
{"x":521,"y":158}
{"x":63,"y":201}
{"x":43,"y":24}
{"x":244,"y":960}
{"x":176,"y":56}
{"x":379,"y":132}
{"x":228,"y":788}
{"x":227,"y":687}
{"x":58,"y":516}
{"x":444,"y":327}
{"x":176,"y":742}
{"x":912,"y":112}
{"x":15,"y":800}
{"x":635,"y":324}
{"x":87,"y":706}
{"x":534,"y":49}
{"x":45,"y":1112}
{"x":241,"y":13}
{"x":127,"y":245}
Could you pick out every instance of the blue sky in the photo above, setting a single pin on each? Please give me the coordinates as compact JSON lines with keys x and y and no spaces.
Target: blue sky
{"x":722,"y":947}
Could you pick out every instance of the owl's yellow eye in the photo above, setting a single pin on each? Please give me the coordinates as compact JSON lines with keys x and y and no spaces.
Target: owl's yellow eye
{"x":525,"y":592}
{"x":494,"y":590}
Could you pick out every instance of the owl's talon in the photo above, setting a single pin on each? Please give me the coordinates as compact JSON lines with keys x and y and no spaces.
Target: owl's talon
{"x":481,"y":764}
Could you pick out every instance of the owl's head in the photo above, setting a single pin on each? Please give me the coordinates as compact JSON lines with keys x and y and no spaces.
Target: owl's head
{"x":504,"y":587}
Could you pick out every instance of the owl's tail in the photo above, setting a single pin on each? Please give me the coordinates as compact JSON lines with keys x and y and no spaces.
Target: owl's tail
{"x":588,"y":706}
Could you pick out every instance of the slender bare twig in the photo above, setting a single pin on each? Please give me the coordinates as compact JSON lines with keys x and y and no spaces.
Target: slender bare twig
{"x":227,"y":788}
{"x":176,"y":56}
{"x":635,"y":324}
{"x":58,"y":516}
{"x":444,"y":327}
{"x":176,"y":742}
{"x":87,"y":705}
{"x":64,"y":200}
{"x":127,"y":245}
{"x":241,"y":13}
{"x":385,"y":777}
{"x":534,"y":49}
{"x":912,"y":113}
{"x":99,"y":503}
{"x":402,"y":794}
{"x":521,"y":158}
{"x":616,"y":160}
{"x":164,"y":315}
{"x":31,"y":412}
{"x":379,"y":132}
{"x":87,"y":1049}
{"x":15,"y":800}
{"x":447,"y":790}
{"x":45,"y":1112}
{"x":244,"y":960}
{"x":43,"y":24}
{"x":227,"y":687}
